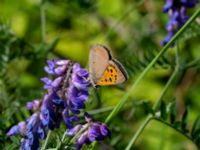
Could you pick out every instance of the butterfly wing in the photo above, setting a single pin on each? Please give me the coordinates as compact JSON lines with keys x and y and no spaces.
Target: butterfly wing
{"x":98,"y":62}
{"x":121,"y":72}
{"x":114,"y":74}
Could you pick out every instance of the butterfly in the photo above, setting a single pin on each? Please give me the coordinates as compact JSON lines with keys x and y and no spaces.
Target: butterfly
{"x":104,"y":70}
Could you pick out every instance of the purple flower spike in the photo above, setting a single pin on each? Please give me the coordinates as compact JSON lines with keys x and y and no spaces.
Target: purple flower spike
{"x":177,"y":13}
{"x":65,"y":97}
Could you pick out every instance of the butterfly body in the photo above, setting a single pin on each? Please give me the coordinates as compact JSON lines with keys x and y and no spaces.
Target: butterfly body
{"x":104,"y":70}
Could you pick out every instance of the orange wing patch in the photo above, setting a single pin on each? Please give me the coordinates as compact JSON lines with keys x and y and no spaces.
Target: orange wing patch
{"x":109,"y":76}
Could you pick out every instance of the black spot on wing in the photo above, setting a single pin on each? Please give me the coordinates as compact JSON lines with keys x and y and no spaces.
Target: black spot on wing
{"x":121,"y":68}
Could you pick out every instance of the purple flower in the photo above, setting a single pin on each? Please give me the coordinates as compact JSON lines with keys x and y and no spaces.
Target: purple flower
{"x":31,"y":130}
{"x":56,"y":67}
{"x":77,"y":92}
{"x":20,"y":128}
{"x":177,"y":14}
{"x":32,"y":134}
{"x":50,"y":115}
{"x":66,"y":94}
{"x":69,"y":119}
{"x":189,"y":3}
{"x":76,"y":99}
{"x":74,"y":130}
{"x":35,"y":104}
{"x":91,"y":131}
{"x":80,"y":77}
{"x":49,"y":84}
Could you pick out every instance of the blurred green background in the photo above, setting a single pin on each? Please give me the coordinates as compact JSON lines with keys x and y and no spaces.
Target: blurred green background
{"x":133,"y":30}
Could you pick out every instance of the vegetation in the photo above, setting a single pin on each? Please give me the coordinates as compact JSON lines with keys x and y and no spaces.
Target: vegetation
{"x":156,"y":108}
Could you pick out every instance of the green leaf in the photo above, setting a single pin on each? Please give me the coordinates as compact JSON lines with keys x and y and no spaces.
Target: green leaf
{"x":196,"y":128}
{"x":196,"y":135}
{"x":163,"y":110}
{"x":173,"y":112}
{"x":177,"y":124}
{"x":148,"y":107}
{"x":14,"y":145}
{"x":184,"y":120}
{"x":52,"y":45}
{"x":45,"y":48}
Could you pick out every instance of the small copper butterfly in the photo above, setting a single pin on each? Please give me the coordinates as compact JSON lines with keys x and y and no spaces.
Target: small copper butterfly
{"x":104,"y":70}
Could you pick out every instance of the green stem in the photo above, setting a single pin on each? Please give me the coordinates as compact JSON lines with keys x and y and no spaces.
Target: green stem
{"x":155,"y":107}
{"x":63,"y":137}
{"x":146,"y":70}
{"x":171,"y":79}
{"x":169,"y":82}
{"x":101,"y":110}
{"x":46,"y":140}
{"x":157,"y":103}
{"x":43,"y":21}
{"x":61,"y":142}
{"x":139,"y":131}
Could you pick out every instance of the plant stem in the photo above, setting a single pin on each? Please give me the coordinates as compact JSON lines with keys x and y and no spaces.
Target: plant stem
{"x":146,"y":70}
{"x":158,"y":101}
{"x":43,"y":21}
{"x":169,"y":82}
{"x":101,"y":110}
{"x":63,"y":137}
{"x":46,"y":140}
{"x":155,"y":107}
{"x":139,"y":131}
